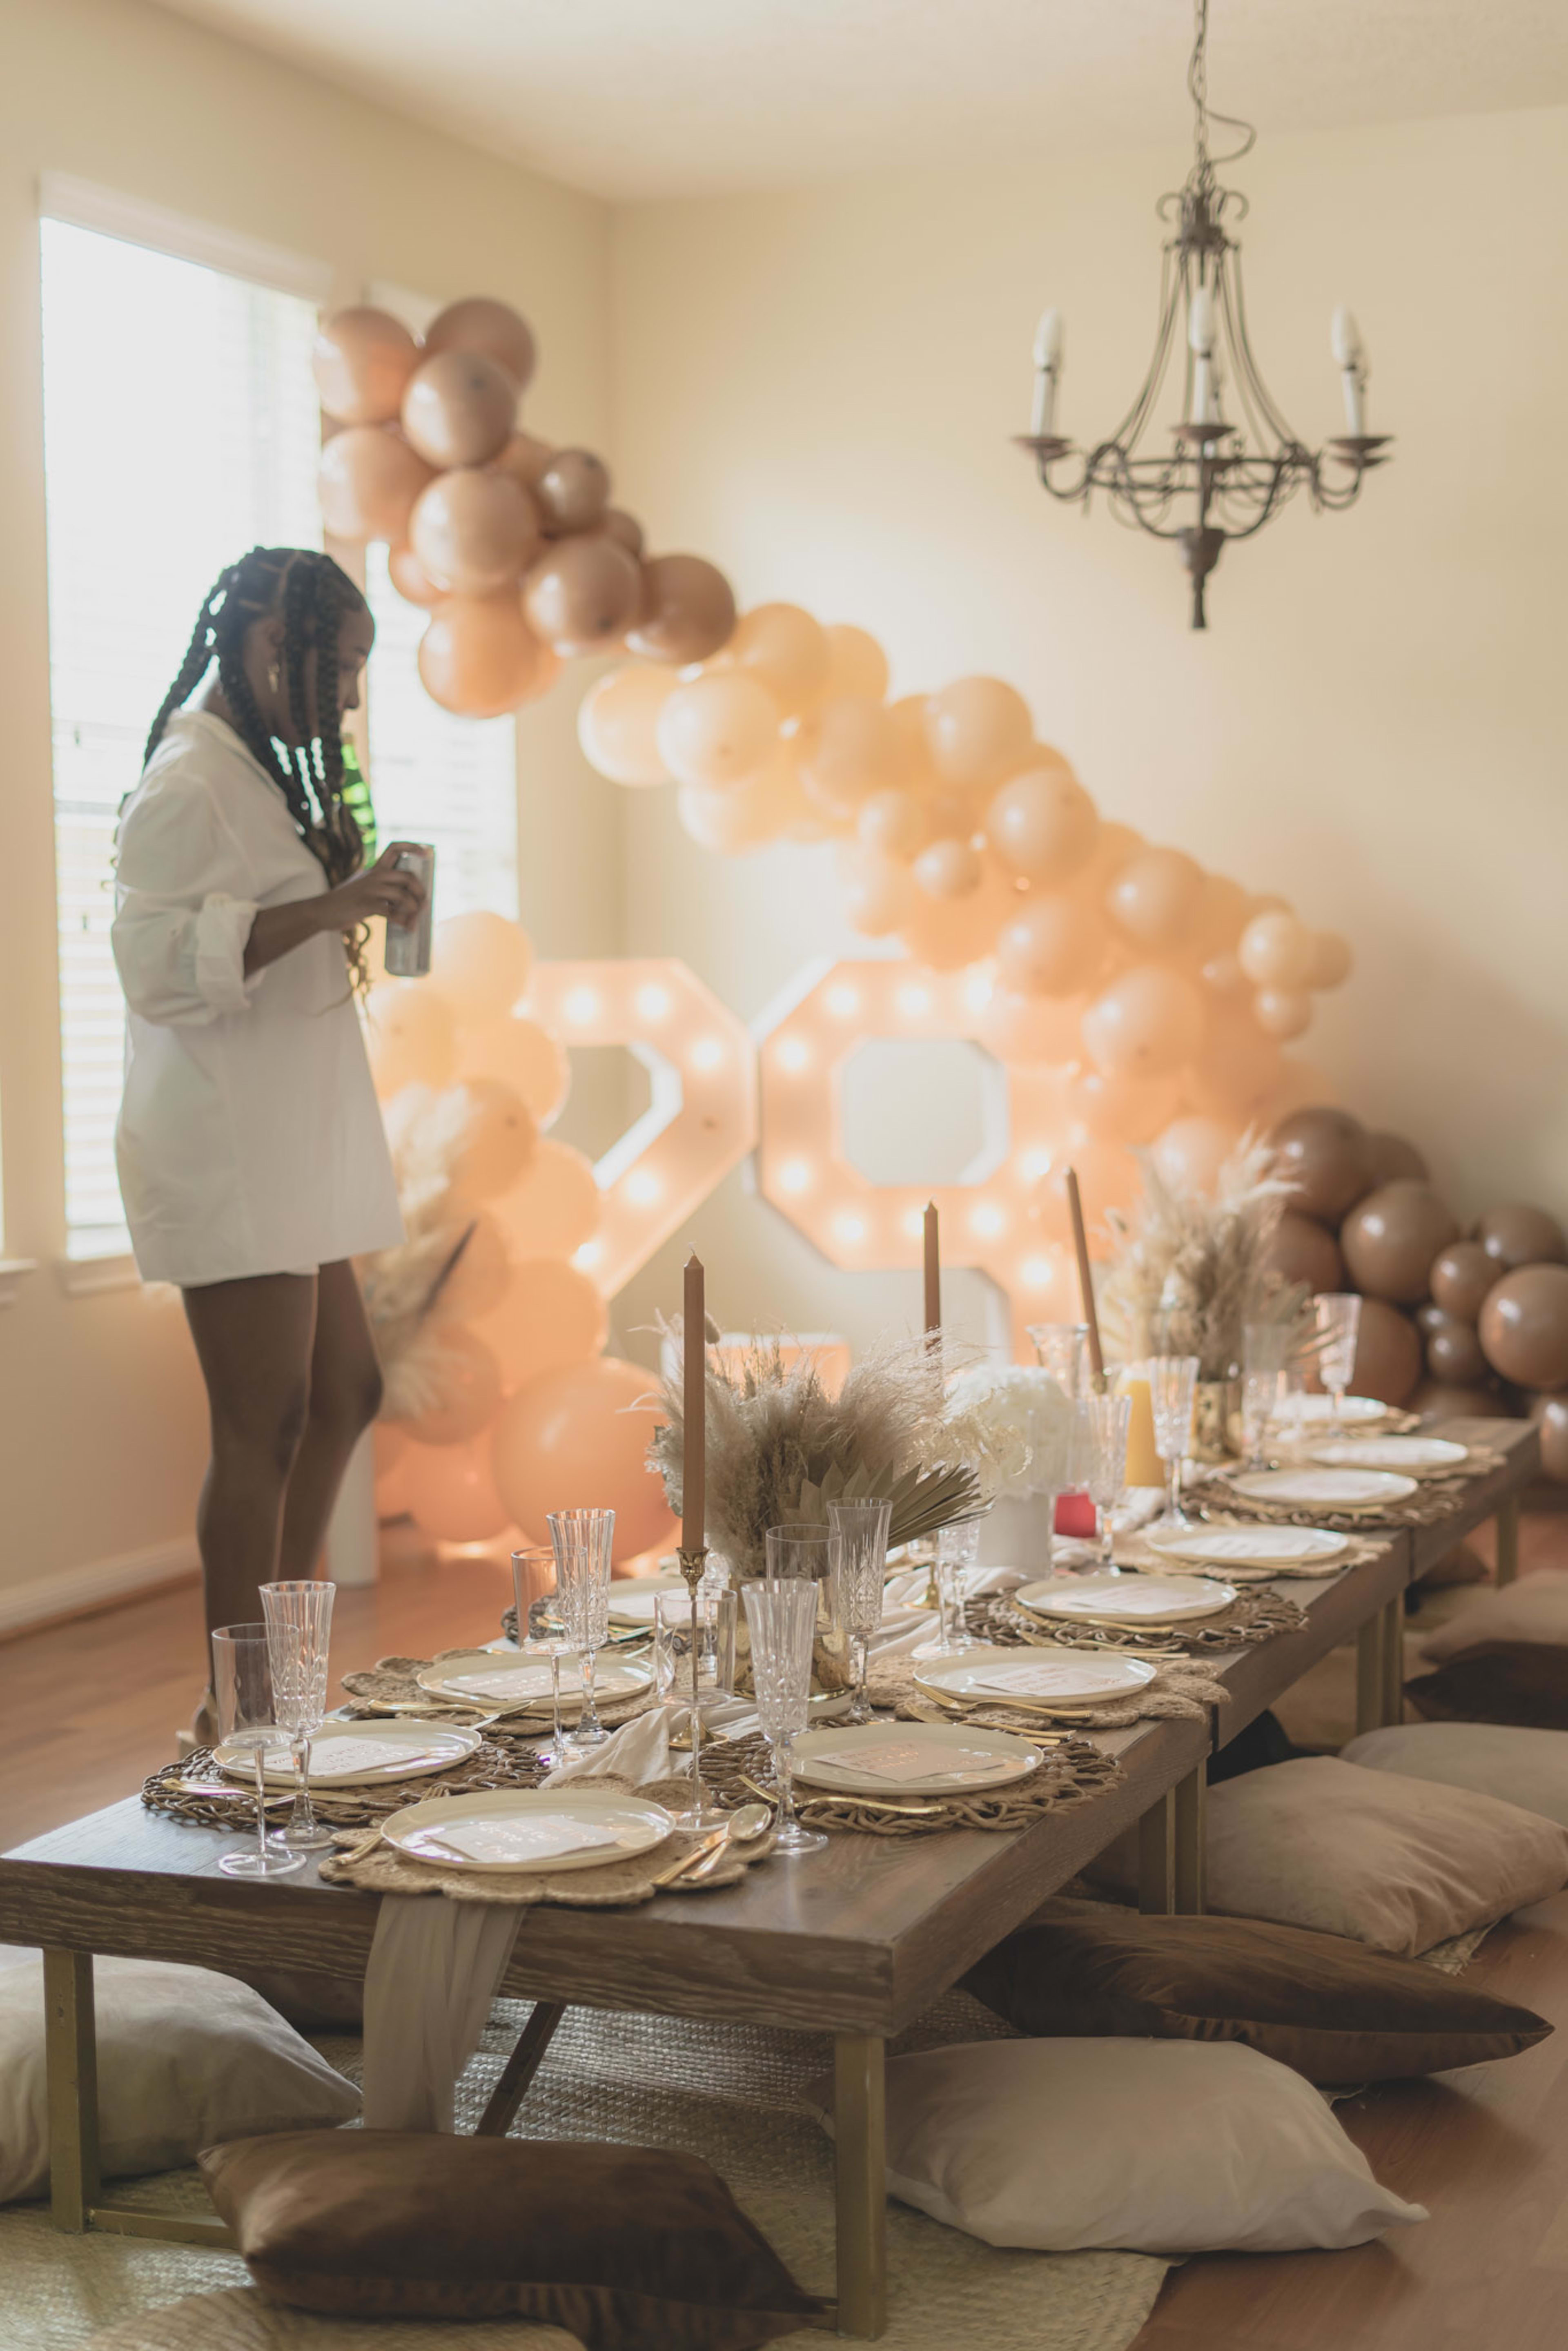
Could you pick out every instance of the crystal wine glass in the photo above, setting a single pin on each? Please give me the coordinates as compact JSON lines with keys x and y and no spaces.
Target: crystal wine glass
{"x":1101,"y":1439}
{"x":1339,"y":1327}
{"x":1265,"y":1347}
{"x":1173,"y":1383}
{"x":1063,"y":1349}
{"x":862,"y":1528}
{"x":299,"y":1619}
{"x":957,"y":1556}
{"x":781,"y":1618}
{"x":242,"y":1694}
{"x":583,"y":1540}
{"x":533,"y":1572}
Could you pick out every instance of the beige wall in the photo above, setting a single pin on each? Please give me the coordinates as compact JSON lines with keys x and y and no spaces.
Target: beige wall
{"x":101,"y":1420}
{"x":818,"y":389}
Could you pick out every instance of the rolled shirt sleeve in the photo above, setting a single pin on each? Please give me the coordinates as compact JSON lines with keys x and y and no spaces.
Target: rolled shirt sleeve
{"x":183,"y":913}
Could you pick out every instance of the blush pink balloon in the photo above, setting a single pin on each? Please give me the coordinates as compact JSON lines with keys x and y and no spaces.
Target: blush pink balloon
{"x":451,"y":1491}
{"x":1148,"y":1020}
{"x":578,"y":1439}
{"x":1052,"y":944}
{"x":1191,"y":1150}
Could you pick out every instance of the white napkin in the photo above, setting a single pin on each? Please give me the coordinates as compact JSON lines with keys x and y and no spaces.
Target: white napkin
{"x":638,"y":1752}
{"x":433,"y":1969}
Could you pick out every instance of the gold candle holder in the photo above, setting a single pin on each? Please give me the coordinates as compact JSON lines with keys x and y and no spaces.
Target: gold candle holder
{"x":702,"y":1815}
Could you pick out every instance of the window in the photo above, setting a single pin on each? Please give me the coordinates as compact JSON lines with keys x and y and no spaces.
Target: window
{"x":180,"y":427}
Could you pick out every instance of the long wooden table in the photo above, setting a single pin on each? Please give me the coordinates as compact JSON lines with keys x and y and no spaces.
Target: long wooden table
{"x":855,"y":1941}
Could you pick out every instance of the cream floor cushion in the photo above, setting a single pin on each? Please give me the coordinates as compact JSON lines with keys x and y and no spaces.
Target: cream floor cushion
{"x":1169,"y":2147}
{"x":1533,"y":1609}
{"x":1528,"y":1767}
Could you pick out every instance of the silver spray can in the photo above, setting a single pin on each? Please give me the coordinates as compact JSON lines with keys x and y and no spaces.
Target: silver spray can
{"x":408,"y":944}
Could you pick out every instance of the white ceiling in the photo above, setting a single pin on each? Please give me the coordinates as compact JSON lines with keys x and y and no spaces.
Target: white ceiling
{"x":652,"y":98}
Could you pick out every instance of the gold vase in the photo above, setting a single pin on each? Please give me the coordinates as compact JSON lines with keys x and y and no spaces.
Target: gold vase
{"x":1216,"y":1414}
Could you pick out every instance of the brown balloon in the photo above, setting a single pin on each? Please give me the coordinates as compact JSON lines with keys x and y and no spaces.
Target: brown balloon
{"x":1454,"y":1352}
{"x":411,"y":580}
{"x":581,"y":594}
{"x":1325,"y":1155}
{"x":525,"y":459}
{"x":478,"y":657}
{"x":1436,"y":1400}
{"x":1387,"y":1354}
{"x":475,"y":532}
{"x":1304,"y":1250}
{"x":368,"y":481}
{"x":1391,"y":1238}
{"x":479,"y":324}
{"x":459,"y":409}
{"x":362,"y":359}
{"x":573,"y":491}
{"x":686,"y":613}
{"x":1392,"y":1157}
{"x":1516,"y":1234}
{"x":1550,"y":1414}
{"x":623,"y":528}
{"x":1460,"y":1278}
{"x":1524,"y":1326}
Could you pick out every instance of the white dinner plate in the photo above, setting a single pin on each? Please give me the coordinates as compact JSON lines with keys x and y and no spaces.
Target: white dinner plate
{"x":1127,"y":1599}
{"x":357,"y":1755}
{"x":1248,"y":1546}
{"x":1325,"y":1489}
{"x":1414,"y":1454}
{"x":631,"y":1602}
{"x":483,"y":1677}
{"x":1312,"y":1411}
{"x":528,"y":1829}
{"x":1034,"y":1677}
{"x":912,"y":1759}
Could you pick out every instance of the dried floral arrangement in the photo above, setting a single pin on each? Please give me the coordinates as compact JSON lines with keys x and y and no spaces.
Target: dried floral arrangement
{"x":1190,"y":1269}
{"x":404,"y":1287}
{"x":1015,"y":1426}
{"x":779,"y":1449}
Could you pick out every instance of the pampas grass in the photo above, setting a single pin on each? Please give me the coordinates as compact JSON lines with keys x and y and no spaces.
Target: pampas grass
{"x":402,"y":1286}
{"x":1193,"y":1267}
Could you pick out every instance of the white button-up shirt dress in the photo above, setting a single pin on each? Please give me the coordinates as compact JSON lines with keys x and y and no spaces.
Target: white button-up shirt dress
{"x":250,"y":1141}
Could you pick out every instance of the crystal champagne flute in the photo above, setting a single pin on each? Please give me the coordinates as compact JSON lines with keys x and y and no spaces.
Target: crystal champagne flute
{"x":299,"y":1617}
{"x":1173,"y":1383}
{"x":781,"y":1619}
{"x":533,"y":1573}
{"x":582,"y":1541}
{"x":863,"y":1530}
{"x":1102,"y":1442}
{"x":1338,"y":1315}
{"x":242,"y":1694}
{"x":957,"y":1556}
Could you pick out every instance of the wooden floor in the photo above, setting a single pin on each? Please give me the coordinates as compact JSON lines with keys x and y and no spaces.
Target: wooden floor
{"x":91,"y":1707}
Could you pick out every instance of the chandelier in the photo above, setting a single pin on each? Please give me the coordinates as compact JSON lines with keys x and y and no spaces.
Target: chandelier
{"x":1220,"y":480}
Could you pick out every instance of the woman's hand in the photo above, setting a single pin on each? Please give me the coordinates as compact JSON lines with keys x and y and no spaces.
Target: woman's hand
{"x":384,"y":889}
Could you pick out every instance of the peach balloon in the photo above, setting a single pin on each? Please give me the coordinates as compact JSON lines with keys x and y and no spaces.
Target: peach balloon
{"x":1030,"y":1028}
{"x":525,"y":459}
{"x":1218,"y":918}
{"x":1276,"y":951}
{"x":1329,"y":964}
{"x":481,"y":963}
{"x":618,"y":724}
{"x":948,"y":932}
{"x":1303,"y":1250}
{"x":576,"y":1439}
{"x":785,"y":649}
{"x":847,"y":751}
{"x":908,"y":717}
{"x":979,"y":731}
{"x":718,"y":729}
{"x":947,"y":869}
{"x":1107,"y":1179}
{"x":499,"y":1140}
{"x":1223,"y":975}
{"x":625,"y":530}
{"x":481,"y":1271}
{"x":879,"y":893}
{"x":479,"y":323}
{"x":475,"y":532}
{"x":362,"y":359}
{"x":459,"y":409}
{"x":556,"y":1207}
{"x":1282,"y":1012}
{"x":743,"y":815}
{"x":1053,"y":944}
{"x":1155,"y":898}
{"x":479,"y":658}
{"x":892,"y":821}
{"x":410,"y":1035}
{"x":1148,"y":1022}
{"x":466,"y":1378}
{"x":367,"y":482}
{"x":686,"y":612}
{"x":856,"y":662}
{"x":1043,"y":823}
{"x":451,"y":1491}
{"x":1237,"y":1066}
{"x":1190,"y":1152}
{"x":553,"y":1315}
{"x":411,"y":580}
{"x":573,"y":491}
{"x":1121,"y":1109}
{"x":517,"y":1053}
{"x":581,"y":592}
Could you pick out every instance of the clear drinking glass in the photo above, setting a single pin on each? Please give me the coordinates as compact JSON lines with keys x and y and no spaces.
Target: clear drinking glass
{"x":1173,"y":1381}
{"x":957,"y":1556}
{"x":533,"y":1572}
{"x":1339,"y":1327}
{"x":1100,"y":1443}
{"x":298,"y":1618}
{"x":242,"y":1693}
{"x":1265,"y":1347}
{"x":1063,"y":1349}
{"x":583,"y":1540}
{"x":781,"y":1617}
{"x":862,"y":1528}
{"x":672,"y":1650}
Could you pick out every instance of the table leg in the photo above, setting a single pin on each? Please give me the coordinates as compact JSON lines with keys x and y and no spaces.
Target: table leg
{"x":71,"y":2059}
{"x":1157,"y":1858}
{"x":1189,"y":1798}
{"x":1394,"y":1660}
{"x":860,"y":2132}
{"x":519,"y":2069}
{"x":1369,"y":1685}
{"x":1506,"y":1523}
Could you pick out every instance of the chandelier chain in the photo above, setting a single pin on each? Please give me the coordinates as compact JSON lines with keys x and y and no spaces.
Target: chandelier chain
{"x":1198,"y":89}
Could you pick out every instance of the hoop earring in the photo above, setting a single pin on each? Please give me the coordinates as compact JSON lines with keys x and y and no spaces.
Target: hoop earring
{"x":272,"y":677}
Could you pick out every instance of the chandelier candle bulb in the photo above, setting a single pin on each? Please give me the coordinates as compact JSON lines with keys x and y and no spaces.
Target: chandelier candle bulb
{"x":1349,"y":355}
{"x":1047,"y":372}
{"x":1200,"y":343}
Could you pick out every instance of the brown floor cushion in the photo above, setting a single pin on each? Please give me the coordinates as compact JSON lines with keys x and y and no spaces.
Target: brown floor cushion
{"x":1524,"y":1683}
{"x":1327,"y":2008}
{"x":1534,"y":1608}
{"x":629,"y":2249}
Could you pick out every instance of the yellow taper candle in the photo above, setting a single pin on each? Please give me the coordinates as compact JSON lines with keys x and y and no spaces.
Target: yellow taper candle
{"x":1144,"y":1467}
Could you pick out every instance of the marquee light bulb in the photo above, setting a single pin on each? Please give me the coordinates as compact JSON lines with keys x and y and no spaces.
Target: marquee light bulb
{"x":581,"y":1006}
{"x":706,"y":1053}
{"x":793,"y":1054}
{"x":1037,"y":1272}
{"x":643,"y":1187}
{"x":913,"y":1002}
{"x":653,"y":1003}
{"x":795,"y":1175}
{"x":844,"y":1002}
{"x":987,"y":1221}
{"x":849,"y":1228}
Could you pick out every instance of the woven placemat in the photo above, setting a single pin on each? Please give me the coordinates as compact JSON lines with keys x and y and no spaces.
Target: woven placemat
{"x":1253,"y":1617}
{"x":1435,"y":1496}
{"x":737,"y":1771}
{"x":191,"y":1789}
{"x":1180,"y":1691}
{"x":1134,"y":1552}
{"x":391,"y":1682}
{"x":607,"y":1885}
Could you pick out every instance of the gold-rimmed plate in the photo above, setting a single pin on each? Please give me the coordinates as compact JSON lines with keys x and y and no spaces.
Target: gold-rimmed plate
{"x":527,"y":1830}
{"x":489,"y":1678}
{"x":1153,"y":1603}
{"x":1043,"y":1680}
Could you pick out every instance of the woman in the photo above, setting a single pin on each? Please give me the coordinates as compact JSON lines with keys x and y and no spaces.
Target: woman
{"x":251,"y":1160}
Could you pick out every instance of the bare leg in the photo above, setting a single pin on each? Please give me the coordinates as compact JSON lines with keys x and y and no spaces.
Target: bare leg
{"x":345,"y":1397}
{"x":253,"y":1342}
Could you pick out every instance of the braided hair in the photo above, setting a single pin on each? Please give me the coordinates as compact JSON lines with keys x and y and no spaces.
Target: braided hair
{"x":313,"y":595}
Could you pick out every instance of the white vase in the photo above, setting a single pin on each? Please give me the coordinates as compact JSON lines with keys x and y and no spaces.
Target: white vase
{"x":1015,"y":1533}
